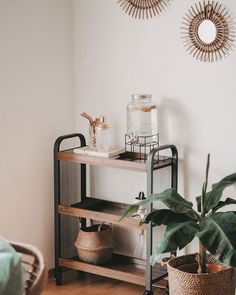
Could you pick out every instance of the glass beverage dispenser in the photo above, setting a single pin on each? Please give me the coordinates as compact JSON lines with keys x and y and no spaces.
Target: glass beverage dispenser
{"x":142,"y":117}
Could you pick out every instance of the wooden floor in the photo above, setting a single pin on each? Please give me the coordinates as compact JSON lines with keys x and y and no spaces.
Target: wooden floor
{"x":81,"y":284}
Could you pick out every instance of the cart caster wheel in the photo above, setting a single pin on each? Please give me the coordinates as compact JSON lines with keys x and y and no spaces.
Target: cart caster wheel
{"x":148,"y":293}
{"x":58,"y":277}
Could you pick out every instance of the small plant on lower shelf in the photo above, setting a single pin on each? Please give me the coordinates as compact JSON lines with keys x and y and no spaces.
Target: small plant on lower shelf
{"x":215,"y":230}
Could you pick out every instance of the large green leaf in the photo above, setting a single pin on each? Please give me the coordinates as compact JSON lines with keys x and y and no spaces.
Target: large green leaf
{"x":213,"y":197}
{"x":221,"y":204}
{"x":173,"y":201}
{"x":218,"y":236}
{"x":169,"y":197}
{"x":166,"y":216}
{"x":177,"y":236}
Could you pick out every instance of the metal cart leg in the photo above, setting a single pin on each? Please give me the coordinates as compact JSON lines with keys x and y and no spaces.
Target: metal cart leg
{"x":57,"y":221}
{"x":174,"y":168}
{"x":174,"y":182}
{"x":174,"y":175}
{"x":149,"y":290}
{"x":57,"y":199}
{"x":83,"y":190}
{"x":167,"y":288}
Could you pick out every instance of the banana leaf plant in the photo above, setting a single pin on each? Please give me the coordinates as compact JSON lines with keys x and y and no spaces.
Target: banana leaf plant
{"x":215,"y":230}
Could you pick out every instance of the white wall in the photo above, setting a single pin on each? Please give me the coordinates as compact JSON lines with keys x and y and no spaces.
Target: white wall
{"x":116,"y":55}
{"x":37,"y":105}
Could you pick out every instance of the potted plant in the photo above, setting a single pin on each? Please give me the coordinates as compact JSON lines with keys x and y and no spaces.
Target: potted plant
{"x":200,"y":273}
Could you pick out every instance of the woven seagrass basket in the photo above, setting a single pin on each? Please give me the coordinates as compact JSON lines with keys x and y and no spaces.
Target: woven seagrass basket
{"x":187,"y":283}
{"x":94,"y":244}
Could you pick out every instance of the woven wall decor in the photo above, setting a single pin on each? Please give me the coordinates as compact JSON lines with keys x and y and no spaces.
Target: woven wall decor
{"x":143,"y":8}
{"x":215,"y":15}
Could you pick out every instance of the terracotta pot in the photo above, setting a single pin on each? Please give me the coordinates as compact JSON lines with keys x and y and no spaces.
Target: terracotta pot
{"x":184,"y":280}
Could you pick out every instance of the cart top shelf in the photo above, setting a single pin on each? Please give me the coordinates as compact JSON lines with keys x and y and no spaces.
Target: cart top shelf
{"x":121,"y":162}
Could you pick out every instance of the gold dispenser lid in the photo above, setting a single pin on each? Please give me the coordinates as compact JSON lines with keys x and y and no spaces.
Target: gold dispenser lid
{"x":101,"y":123}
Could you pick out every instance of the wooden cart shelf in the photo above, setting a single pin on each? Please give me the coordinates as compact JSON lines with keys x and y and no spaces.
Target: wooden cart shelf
{"x":100,"y":210}
{"x":122,"y":162}
{"x":121,"y":267}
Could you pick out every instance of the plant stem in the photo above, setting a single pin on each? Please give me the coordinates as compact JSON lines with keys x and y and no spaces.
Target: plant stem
{"x":204,"y":188}
{"x":203,"y":215}
{"x":203,"y":258}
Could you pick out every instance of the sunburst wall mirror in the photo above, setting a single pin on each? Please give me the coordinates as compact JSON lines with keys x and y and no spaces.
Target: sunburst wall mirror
{"x":208,"y":31}
{"x":143,"y":8}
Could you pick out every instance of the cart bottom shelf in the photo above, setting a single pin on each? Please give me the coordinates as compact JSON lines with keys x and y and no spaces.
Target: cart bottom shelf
{"x":121,"y":268}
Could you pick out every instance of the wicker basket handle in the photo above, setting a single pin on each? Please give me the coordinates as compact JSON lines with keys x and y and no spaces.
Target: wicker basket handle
{"x":100,"y":226}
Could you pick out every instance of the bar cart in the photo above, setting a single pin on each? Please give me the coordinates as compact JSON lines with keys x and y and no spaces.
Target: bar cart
{"x":122,"y":267}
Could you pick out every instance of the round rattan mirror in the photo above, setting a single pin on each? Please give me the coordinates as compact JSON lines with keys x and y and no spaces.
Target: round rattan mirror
{"x":143,"y":8}
{"x":208,"y":31}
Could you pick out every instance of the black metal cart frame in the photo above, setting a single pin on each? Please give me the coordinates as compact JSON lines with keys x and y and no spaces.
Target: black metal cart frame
{"x":151,"y":167}
{"x":174,"y":184}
